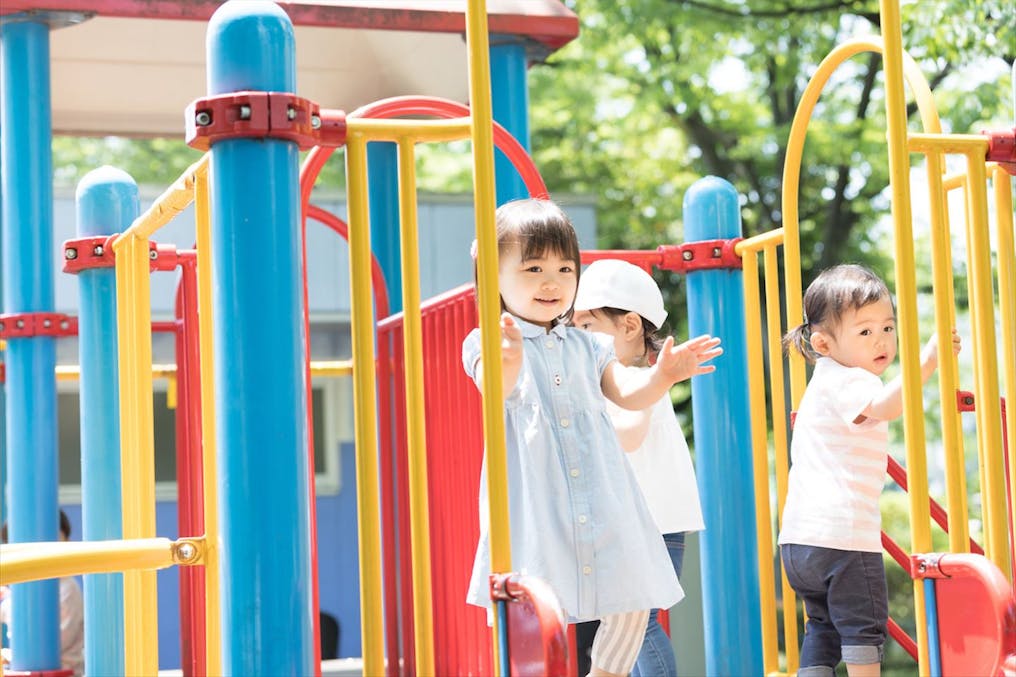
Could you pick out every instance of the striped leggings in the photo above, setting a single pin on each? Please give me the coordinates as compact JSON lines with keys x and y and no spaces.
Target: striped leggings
{"x":618,"y":641}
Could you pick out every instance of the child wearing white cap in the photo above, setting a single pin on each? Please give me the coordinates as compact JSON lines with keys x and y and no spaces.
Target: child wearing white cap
{"x":622,"y":301}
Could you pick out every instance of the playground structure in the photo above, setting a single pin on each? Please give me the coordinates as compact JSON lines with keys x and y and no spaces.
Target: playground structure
{"x":436,"y":392}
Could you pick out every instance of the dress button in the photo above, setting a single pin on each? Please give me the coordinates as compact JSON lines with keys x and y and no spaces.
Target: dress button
{"x":549,"y":343}
{"x":565,"y":423}
{"x":557,"y":379}
{"x":582,"y":519}
{"x":574,"y":472}
{"x":587,"y":570}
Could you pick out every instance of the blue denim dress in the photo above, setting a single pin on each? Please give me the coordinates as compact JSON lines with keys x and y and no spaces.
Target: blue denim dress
{"x":578,"y":519}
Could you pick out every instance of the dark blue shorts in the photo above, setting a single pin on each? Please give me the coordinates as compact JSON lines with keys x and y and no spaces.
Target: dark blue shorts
{"x":845,"y":597}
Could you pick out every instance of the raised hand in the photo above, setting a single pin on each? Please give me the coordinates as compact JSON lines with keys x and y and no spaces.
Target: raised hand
{"x":681,"y":362}
{"x":511,"y":342}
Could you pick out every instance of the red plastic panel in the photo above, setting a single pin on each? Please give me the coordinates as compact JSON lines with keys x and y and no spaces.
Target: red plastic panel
{"x":537,"y":633}
{"x":975,"y":615}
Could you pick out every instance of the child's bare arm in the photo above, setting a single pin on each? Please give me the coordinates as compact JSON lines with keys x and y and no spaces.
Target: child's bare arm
{"x":511,"y":356}
{"x":636,"y":389}
{"x":888,"y":404}
{"x":631,"y":426}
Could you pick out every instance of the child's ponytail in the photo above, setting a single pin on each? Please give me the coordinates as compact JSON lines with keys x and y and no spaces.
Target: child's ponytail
{"x":799,"y":339}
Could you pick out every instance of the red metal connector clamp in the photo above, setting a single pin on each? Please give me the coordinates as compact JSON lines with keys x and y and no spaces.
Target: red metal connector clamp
{"x":702,"y":255}
{"x":926,"y":566}
{"x":1002,"y":148}
{"x":26,"y":325}
{"x":504,"y":587}
{"x":278,"y":115}
{"x":84,"y":253}
{"x":97,"y":252}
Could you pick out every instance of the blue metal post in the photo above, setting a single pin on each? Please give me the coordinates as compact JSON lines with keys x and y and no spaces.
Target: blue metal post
{"x":107,"y":203}
{"x":934,"y":640}
{"x":259,"y":360}
{"x":723,"y":445}
{"x":26,"y":179}
{"x":510,"y":100}
{"x":383,"y":183}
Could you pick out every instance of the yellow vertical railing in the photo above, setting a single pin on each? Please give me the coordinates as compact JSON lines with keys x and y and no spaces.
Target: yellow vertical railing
{"x":906,"y":295}
{"x":209,"y":471}
{"x":948,"y":377}
{"x":482,"y":120}
{"x":137,"y":447}
{"x":416,"y":431}
{"x":760,"y":464}
{"x":364,"y":403}
{"x":1002,"y":184}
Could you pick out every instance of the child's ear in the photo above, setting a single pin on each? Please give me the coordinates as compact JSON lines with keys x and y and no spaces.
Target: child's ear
{"x":632,"y":324}
{"x":820,"y":342}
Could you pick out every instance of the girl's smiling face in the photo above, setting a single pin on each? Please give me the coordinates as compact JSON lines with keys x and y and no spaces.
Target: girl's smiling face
{"x":539,"y":289}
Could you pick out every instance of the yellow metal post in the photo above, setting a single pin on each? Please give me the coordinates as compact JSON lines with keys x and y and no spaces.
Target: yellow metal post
{"x":137,"y":447}
{"x":416,"y":431}
{"x":364,"y":409}
{"x":487,"y":292}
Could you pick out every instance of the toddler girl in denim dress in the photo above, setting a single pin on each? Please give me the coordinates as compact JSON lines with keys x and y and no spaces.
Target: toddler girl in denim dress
{"x":578,"y":519}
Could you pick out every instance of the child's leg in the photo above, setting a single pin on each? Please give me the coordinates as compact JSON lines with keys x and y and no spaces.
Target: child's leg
{"x":858,"y":602}
{"x":618,"y":642}
{"x":656,"y":658}
{"x":807,"y":569}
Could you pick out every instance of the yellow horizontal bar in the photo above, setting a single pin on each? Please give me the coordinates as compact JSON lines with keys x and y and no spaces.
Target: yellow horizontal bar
{"x":331,"y":368}
{"x":72,"y":372}
{"x":408,"y":130}
{"x":174,"y":200}
{"x":759,"y":242}
{"x":947,"y":143}
{"x":954,"y":181}
{"x":23,"y":562}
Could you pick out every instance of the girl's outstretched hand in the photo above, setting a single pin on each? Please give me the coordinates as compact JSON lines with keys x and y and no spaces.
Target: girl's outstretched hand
{"x":678,"y":363}
{"x":511,"y":342}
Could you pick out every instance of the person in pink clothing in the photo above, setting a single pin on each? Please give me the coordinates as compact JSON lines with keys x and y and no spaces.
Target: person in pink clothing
{"x":830,"y":539}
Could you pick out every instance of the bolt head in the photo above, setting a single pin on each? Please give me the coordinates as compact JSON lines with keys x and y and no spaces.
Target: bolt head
{"x":153,"y":254}
{"x":98,"y":250}
{"x":203,"y":118}
{"x":245,"y":112}
{"x":290,"y":113}
{"x":186,"y":552}
{"x":70,"y":253}
{"x":315,"y":121}
{"x":687,"y":255}
{"x":717,"y":252}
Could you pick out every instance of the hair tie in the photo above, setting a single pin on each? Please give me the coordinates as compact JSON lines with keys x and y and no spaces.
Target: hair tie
{"x":473,"y":250}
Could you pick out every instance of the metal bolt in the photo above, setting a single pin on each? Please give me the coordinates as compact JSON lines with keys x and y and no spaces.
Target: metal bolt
{"x":245,"y":112}
{"x":186,"y":552}
{"x":716,"y":252}
{"x":70,"y":253}
{"x":203,"y":118}
{"x":47,"y":324}
{"x":20,"y":324}
{"x":153,"y":254}
{"x":315,"y":121}
{"x":98,"y":250}
{"x":687,"y":255}
{"x":290,"y":113}
{"x":64,"y":324}
{"x":968,"y":400}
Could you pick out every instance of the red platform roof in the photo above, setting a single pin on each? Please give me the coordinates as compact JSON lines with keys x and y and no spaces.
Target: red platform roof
{"x":130,"y":67}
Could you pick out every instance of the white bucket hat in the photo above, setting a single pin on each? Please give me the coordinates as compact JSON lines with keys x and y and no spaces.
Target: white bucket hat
{"x":612,"y":283}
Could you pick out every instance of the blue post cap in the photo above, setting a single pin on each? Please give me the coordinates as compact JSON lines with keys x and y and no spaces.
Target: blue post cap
{"x":251,"y":46}
{"x":107,"y":202}
{"x":711,"y":210}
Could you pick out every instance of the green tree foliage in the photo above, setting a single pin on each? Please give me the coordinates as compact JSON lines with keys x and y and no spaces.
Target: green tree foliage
{"x":657,"y":93}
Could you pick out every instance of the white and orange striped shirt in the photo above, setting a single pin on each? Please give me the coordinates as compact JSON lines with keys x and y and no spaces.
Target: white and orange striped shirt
{"x":838,"y":467}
